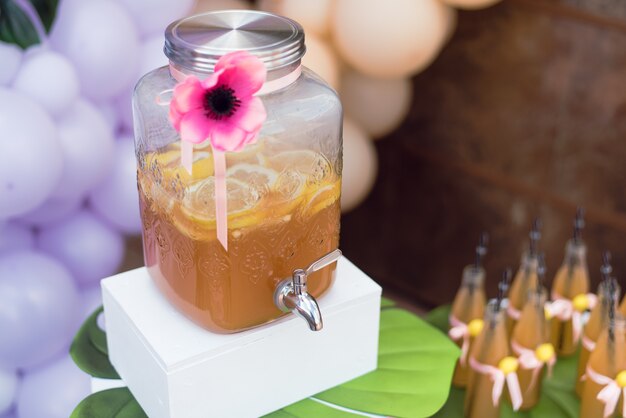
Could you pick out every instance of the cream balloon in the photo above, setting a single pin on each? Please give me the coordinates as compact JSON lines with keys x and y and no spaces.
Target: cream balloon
{"x":203,"y":6}
{"x":314,"y":16}
{"x":390,"y":39}
{"x":377,"y":105}
{"x":470,"y":4}
{"x":321,"y":59}
{"x":360,"y":165}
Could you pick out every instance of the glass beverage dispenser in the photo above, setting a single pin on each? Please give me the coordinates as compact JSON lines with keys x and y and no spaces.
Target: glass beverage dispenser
{"x":234,"y":239}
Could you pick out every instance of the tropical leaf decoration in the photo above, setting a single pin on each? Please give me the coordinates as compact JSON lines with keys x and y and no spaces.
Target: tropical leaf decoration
{"x":17,"y":25}
{"x":558,"y":399}
{"x":89,"y":349}
{"x":415,"y":365}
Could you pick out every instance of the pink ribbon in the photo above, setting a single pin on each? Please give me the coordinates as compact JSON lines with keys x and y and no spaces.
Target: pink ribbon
{"x":498,"y":378}
{"x":459,"y":331}
{"x":513,"y":313}
{"x":610,"y":393}
{"x":563,"y":309}
{"x":588,"y":343}
{"x":219,"y":159}
{"x":528,"y":360}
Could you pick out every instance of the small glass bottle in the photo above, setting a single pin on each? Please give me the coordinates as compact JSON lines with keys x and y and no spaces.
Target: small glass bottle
{"x":606,"y":368}
{"x":467,"y":311}
{"x":570,"y":285}
{"x":525,"y":279}
{"x":530,"y":342}
{"x":608,"y":294}
{"x":490,"y":352}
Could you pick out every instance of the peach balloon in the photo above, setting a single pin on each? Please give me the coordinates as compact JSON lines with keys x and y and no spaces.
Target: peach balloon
{"x":203,"y":6}
{"x":360,"y":165}
{"x":320,"y":58}
{"x":377,"y":105}
{"x":470,"y":4}
{"x":390,"y":39}
{"x":313,"y":15}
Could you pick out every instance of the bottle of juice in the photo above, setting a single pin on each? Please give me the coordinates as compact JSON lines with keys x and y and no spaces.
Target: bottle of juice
{"x":492,"y":369}
{"x":530,"y":343}
{"x":525,"y":278}
{"x":608,"y":296}
{"x":467,"y":311}
{"x":605,"y":378}
{"x":569,"y":293}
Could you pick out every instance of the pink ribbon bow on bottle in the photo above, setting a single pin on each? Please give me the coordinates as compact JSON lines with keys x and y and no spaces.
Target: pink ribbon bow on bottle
{"x":611,"y":392}
{"x":499,"y":377}
{"x":513,"y":312}
{"x":565,"y":309}
{"x":530,"y":360}
{"x":459,"y":331}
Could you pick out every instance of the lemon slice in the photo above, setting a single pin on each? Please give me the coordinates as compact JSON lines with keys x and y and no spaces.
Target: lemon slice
{"x":250,"y":154}
{"x":311,"y":164}
{"x":322,"y":197}
{"x":199,"y":198}
{"x":260,"y":178}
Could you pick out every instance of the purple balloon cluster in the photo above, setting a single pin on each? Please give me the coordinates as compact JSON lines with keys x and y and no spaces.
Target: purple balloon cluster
{"x":68,"y":191}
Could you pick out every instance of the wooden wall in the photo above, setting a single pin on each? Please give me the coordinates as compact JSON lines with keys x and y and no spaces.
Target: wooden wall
{"x":522,"y":115}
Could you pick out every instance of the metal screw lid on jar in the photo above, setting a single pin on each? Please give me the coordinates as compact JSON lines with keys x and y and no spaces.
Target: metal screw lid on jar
{"x":195,"y":43}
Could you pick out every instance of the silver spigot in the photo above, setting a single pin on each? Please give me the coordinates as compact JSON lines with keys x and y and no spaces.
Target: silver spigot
{"x":291,"y":294}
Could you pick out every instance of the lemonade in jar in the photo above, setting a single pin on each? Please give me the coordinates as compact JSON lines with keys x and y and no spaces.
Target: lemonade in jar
{"x":222,"y":228}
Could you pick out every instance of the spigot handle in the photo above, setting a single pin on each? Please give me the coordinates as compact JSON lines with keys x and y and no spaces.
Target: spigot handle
{"x":329,"y":258}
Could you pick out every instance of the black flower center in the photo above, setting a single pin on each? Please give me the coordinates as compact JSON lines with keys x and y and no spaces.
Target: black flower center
{"x":220,"y":102}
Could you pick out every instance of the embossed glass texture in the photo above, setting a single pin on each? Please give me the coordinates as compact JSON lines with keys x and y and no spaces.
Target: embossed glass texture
{"x":283,"y":204}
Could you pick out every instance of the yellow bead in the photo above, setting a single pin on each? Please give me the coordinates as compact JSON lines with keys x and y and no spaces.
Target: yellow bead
{"x":544,"y":352}
{"x":508,"y":365}
{"x":621,"y":379}
{"x":581,"y":302}
{"x":547,"y":313}
{"x":475,"y":327}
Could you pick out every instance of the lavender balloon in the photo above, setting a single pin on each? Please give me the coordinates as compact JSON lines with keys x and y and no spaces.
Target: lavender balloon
{"x":52,"y":210}
{"x":33,"y":79}
{"x":116,"y":200}
{"x":152,"y":16}
{"x":91,"y":299}
{"x":88,"y":145}
{"x":11,"y":58}
{"x":8,"y":389}
{"x":30,"y":155}
{"x":105,"y":55}
{"x":38,"y":307}
{"x":89,"y":248}
{"x":53,"y":391}
{"x":14,"y":236}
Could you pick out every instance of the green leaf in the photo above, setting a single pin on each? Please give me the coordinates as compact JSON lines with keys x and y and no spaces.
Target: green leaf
{"x":415,"y":365}
{"x":386,"y":303}
{"x":112,"y":403}
{"x":15,"y":27}
{"x":47,"y":10}
{"x":89,"y":349}
{"x":558,"y":399}
{"x":438,"y":318}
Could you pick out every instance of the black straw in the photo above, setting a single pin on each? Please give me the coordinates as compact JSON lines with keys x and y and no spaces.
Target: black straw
{"x":503,"y":288}
{"x":541,"y":272}
{"x":579,"y":224}
{"x":606,"y":269}
{"x":535,"y":236}
{"x":481,"y":249}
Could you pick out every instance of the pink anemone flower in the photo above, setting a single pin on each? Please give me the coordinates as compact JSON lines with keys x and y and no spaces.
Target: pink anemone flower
{"x":221,"y":108}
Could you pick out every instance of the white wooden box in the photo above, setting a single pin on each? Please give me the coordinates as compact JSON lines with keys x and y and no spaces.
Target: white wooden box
{"x":176,"y":369}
